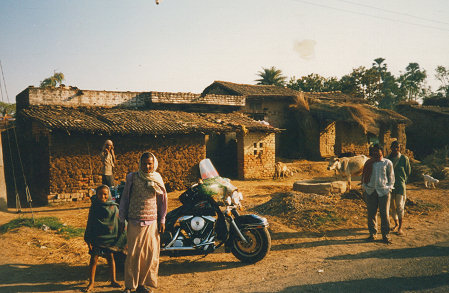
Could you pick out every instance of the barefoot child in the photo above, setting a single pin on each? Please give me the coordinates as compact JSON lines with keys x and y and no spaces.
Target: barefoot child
{"x":102,"y":233}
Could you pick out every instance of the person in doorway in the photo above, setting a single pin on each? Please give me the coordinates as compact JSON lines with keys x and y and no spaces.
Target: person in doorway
{"x":377,"y":183}
{"x":144,"y":206}
{"x":108,"y":162}
{"x":102,"y":234}
{"x":402,"y":170}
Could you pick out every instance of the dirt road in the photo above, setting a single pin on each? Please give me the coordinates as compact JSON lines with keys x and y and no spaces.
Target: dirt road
{"x":330,"y":260}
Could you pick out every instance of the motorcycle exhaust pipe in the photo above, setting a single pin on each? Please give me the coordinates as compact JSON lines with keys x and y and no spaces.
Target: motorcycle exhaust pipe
{"x":187,"y":247}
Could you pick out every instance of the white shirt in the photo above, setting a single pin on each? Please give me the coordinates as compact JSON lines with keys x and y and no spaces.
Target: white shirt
{"x":382,"y":178}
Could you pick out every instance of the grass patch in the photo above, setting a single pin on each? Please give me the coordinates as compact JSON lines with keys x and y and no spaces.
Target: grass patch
{"x":52,"y":223}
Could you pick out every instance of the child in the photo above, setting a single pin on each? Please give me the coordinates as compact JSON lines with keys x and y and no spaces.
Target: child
{"x":102,"y":233}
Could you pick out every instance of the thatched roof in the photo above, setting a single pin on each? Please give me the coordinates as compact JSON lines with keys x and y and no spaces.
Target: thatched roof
{"x":97,"y":120}
{"x":337,"y":96}
{"x":370,"y":118}
{"x":252,"y":90}
{"x":431,"y":110}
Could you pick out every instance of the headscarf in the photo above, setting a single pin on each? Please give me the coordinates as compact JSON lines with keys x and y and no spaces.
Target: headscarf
{"x":102,"y":223}
{"x":103,"y":151}
{"x":153,"y":178}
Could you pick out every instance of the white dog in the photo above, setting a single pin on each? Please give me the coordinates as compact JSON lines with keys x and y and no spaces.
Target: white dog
{"x":429,"y":181}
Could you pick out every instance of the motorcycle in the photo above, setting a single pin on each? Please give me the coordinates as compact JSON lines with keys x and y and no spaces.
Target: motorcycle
{"x":209,"y":218}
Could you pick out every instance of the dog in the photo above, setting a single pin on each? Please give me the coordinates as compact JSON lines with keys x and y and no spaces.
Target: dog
{"x":429,"y":181}
{"x":281,"y":171}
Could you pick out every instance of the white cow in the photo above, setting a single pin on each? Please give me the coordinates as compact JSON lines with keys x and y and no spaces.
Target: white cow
{"x":348,"y":166}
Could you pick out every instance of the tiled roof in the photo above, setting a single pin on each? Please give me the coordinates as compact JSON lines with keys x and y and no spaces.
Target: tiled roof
{"x":96,"y":120}
{"x":255,"y":90}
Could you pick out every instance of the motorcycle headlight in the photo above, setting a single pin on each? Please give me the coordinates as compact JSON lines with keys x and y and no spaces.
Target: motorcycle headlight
{"x":237,"y":197}
{"x":228,"y":200}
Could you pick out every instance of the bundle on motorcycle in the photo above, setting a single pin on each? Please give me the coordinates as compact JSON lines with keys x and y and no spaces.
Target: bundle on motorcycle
{"x":209,"y":218}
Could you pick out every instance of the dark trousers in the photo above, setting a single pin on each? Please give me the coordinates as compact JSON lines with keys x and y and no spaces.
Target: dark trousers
{"x":107,"y":180}
{"x":374,"y":202}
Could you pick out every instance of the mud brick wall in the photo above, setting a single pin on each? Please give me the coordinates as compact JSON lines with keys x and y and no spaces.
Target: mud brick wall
{"x":74,"y":97}
{"x":190,"y":98}
{"x":70,"y":96}
{"x":274,"y":110}
{"x":350,"y":138}
{"x":390,"y":134}
{"x":256,"y":155}
{"x":75,"y":164}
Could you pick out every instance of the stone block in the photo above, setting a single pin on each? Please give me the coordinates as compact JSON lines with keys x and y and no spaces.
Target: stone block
{"x":320,"y":186}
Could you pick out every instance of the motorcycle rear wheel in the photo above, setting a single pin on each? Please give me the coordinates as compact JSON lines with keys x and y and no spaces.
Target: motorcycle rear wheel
{"x":259,"y":243}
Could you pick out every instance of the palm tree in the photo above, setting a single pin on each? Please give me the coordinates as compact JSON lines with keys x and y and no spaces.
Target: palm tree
{"x":271,"y":76}
{"x":53,"y":81}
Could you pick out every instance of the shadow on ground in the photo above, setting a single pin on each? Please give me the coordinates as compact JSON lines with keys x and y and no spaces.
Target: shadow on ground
{"x":432,"y":283}
{"x":437,"y":250}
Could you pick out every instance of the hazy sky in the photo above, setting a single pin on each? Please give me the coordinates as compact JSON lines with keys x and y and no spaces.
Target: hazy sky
{"x":184,"y":45}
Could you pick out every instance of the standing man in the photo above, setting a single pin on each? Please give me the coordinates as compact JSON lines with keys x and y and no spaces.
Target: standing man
{"x":402,"y":170}
{"x":377,"y":182}
{"x":108,"y":163}
{"x":144,"y":205}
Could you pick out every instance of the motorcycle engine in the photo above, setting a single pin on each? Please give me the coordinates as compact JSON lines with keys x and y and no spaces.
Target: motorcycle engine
{"x":196,"y":230}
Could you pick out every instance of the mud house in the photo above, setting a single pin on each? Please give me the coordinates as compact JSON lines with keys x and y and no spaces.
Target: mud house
{"x":428,"y":130}
{"x":264,"y":103}
{"x":336,"y":124}
{"x":317,"y":125}
{"x":61,"y":132}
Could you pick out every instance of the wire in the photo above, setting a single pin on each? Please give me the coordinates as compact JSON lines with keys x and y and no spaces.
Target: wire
{"x":27,"y":190}
{"x":394,"y":12}
{"x":373,"y":16}
{"x":4,"y":82}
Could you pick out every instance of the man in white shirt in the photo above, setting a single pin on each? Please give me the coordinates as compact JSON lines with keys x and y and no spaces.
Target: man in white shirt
{"x":377,"y":182}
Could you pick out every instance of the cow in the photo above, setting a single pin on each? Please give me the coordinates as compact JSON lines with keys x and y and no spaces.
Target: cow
{"x":280,"y":170}
{"x":348,"y":166}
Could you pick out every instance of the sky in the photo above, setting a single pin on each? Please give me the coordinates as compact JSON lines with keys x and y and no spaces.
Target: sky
{"x":184,"y":45}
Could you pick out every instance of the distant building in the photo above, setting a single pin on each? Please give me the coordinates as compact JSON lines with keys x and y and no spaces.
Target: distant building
{"x":61,"y":132}
{"x":317,"y":125}
{"x":428,"y":130}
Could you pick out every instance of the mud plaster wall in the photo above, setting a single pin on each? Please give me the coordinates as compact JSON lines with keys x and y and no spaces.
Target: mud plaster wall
{"x":389,"y":134}
{"x":327,"y":140}
{"x":350,"y":138}
{"x":256,"y":155}
{"x":75,"y":164}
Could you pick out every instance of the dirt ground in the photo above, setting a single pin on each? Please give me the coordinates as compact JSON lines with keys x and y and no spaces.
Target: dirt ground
{"x":33,"y":260}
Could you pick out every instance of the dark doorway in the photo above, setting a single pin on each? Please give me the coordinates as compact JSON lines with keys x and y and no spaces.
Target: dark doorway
{"x":221,"y":149}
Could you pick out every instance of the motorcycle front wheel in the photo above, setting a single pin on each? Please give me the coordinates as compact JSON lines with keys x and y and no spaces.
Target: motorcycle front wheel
{"x":258,"y":245}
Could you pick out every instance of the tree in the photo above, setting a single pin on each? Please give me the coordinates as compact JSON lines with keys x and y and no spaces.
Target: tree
{"x":442,"y":74}
{"x":413,"y":82}
{"x":271,"y":76}
{"x":314,"y":83}
{"x":56,"y":79}
{"x":6,"y":108}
